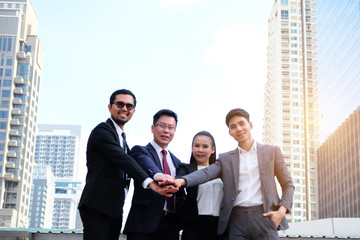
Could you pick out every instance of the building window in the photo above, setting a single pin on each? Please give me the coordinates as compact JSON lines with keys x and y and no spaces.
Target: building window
{"x":7,"y":83}
{"x":9,"y":62}
{"x":284,"y":14}
{"x":4,"y":114}
{"x":8,"y":72}
{"x":5,"y":103}
{"x":5,"y":93}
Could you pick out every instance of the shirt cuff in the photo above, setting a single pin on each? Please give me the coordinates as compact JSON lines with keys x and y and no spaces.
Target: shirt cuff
{"x":146,"y":183}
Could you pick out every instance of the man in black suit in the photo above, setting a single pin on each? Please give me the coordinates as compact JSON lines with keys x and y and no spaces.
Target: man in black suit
{"x":102,"y":200}
{"x":152,"y":217}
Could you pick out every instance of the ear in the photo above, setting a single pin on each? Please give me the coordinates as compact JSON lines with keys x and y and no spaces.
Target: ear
{"x":251,"y":125}
{"x":109,"y":107}
{"x":152,"y":128}
{"x":213,"y":150}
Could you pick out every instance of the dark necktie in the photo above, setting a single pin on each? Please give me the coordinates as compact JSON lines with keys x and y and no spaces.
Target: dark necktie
{"x":126,"y":177}
{"x":124,"y":141}
{"x":170,"y":200}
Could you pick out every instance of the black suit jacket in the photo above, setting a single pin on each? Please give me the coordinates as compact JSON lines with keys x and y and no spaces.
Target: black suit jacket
{"x":189,"y":212}
{"x":106,"y":162}
{"x":147,"y":206}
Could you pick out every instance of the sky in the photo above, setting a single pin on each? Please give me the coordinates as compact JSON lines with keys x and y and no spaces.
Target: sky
{"x":199,"y":58}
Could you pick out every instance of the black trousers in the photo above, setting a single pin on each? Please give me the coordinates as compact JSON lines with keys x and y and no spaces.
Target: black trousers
{"x":98,"y":226}
{"x":248,"y":223}
{"x":204,"y":227}
{"x":168,"y":229}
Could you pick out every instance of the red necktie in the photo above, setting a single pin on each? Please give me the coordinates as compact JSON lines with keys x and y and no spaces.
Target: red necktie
{"x":170,"y":200}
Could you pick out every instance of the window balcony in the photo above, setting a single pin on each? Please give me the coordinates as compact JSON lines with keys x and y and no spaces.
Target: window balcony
{"x":19,"y":91}
{"x":18,"y":101}
{"x":19,"y":80}
{"x":21,"y":55}
{"x":17,"y":111}
{"x":13,"y":143}
{"x":12,"y":177}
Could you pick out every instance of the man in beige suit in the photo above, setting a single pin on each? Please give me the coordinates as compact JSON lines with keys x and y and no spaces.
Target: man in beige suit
{"x":251,"y":207}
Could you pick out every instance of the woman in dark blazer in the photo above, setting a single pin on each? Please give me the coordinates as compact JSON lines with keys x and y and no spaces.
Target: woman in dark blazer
{"x":200,"y":213}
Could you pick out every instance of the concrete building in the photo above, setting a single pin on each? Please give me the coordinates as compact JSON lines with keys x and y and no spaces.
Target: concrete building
{"x":291,"y":98}
{"x":57,"y":146}
{"x":21,"y":57}
{"x":338,"y":38}
{"x":67,"y":196}
{"x":338,"y":171}
{"x":42,"y":197}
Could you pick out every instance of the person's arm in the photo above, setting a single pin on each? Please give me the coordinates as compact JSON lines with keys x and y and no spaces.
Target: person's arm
{"x":277,"y":216}
{"x":287,"y":186}
{"x":283,"y":176}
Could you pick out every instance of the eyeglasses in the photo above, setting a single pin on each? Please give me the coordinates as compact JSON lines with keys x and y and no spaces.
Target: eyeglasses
{"x":163,"y":127}
{"x":121,"y":104}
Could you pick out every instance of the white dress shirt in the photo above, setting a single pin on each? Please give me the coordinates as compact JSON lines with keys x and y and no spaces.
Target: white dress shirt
{"x":249,"y":179}
{"x":209,"y":196}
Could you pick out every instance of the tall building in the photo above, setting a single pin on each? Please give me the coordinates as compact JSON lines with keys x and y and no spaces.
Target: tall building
{"x":338,"y":38}
{"x":338,"y":171}
{"x":42,"y":197}
{"x":67,"y":195}
{"x":291,"y":102}
{"x":57,"y":146}
{"x":21,"y":56}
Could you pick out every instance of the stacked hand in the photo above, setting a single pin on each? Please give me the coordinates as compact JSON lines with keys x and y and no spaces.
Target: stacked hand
{"x":164,"y":185}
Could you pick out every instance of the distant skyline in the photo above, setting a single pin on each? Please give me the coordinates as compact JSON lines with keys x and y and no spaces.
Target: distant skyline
{"x":197,"y":58}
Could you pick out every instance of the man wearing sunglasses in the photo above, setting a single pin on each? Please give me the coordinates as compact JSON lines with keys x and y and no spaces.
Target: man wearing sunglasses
{"x":152,"y":217}
{"x":109,"y":165}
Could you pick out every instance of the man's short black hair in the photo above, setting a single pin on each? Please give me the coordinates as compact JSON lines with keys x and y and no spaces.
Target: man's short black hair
{"x":237,"y":112}
{"x":122,"y":91}
{"x":163,"y":112}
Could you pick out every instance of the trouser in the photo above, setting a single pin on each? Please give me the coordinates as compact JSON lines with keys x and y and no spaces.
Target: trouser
{"x":168,"y":229}
{"x":248,"y":223}
{"x":99,"y":226}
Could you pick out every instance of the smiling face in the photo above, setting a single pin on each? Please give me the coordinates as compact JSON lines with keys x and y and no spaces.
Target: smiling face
{"x":121,"y":115}
{"x":164,"y":130}
{"x":240,"y":130}
{"x":202,"y":149}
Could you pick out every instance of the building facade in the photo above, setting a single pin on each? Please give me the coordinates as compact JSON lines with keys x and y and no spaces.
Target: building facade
{"x":42,"y":197}
{"x":291,"y":102}
{"x":21,"y":56}
{"x":57,"y":146}
{"x":338,"y":171}
{"x":338,"y":37}
{"x":67,"y":196}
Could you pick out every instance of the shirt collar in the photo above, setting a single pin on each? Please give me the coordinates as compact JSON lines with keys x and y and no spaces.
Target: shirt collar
{"x":117,"y":128}
{"x":252,"y":149}
{"x":157,"y":147}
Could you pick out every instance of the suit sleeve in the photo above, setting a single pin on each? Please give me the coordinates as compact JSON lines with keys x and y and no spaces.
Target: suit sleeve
{"x":143,"y":158}
{"x":285,"y":180}
{"x":102,"y":140}
{"x":203,"y":175}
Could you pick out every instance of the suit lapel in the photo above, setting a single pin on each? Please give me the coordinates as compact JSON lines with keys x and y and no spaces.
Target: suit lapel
{"x":111,"y":124}
{"x":154,"y":155}
{"x":235,"y":162}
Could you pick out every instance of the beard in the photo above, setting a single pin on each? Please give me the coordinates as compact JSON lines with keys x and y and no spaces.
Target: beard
{"x":120,"y":121}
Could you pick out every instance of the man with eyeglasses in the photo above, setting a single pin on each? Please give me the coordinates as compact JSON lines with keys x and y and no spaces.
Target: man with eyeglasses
{"x":152,"y":217}
{"x":108,"y":163}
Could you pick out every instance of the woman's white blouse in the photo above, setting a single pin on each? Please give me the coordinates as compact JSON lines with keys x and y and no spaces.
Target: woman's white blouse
{"x":209,"y":196}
